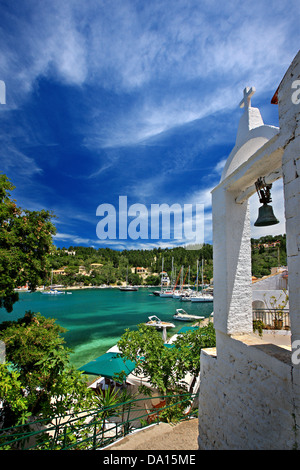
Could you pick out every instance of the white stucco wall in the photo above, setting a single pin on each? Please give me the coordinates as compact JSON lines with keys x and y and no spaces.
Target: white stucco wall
{"x":247,"y":398}
{"x":271,"y":282}
{"x":267,"y":296}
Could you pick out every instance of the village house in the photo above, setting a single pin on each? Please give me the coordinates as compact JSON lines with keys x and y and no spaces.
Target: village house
{"x":96,"y":266}
{"x":59,"y":271}
{"x":143,"y":272}
{"x":267,"y":245}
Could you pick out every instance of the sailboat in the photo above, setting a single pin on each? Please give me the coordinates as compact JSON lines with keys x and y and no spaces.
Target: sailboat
{"x":164,"y":292}
{"x":201,"y":297}
{"x":181,"y":293}
{"x":128,"y":288}
{"x":51,"y":290}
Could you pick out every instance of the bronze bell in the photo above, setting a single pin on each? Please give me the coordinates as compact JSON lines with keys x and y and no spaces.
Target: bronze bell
{"x":266,"y":216}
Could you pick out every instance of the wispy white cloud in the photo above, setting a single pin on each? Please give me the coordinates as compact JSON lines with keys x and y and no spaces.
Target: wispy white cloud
{"x":38,"y":42}
{"x":13,"y":159}
{"x":126,"y":45}
{"x":74,"y":239}
{"x":143,"y":70}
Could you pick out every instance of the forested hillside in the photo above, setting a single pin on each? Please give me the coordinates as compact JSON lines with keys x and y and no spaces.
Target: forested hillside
{"x":268,"y":252}
{"x":91,"y":266}
{"x":112,"y":264}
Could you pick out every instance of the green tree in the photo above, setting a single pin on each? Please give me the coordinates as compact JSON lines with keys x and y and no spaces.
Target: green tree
{"x":166,"y":367}
{"x":108,"y":272}
{"x":190,"y":345}
{"x":14,"y":403}
{"x":153,"y":280}
{"x":49,"y":384}
{"x":25,"y":244}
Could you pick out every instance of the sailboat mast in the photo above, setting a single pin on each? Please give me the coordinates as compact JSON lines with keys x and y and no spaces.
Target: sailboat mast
{"x":162,"y":270}
{"x":181,"y":279}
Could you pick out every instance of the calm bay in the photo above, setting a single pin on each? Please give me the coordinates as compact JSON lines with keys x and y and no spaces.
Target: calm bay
{"x":95,"y":319}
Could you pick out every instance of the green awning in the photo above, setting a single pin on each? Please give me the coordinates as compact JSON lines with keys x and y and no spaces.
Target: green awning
{"x":108,"y":365}
{"x":184,"y":329}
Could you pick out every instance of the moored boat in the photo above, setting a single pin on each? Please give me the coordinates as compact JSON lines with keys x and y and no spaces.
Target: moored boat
{"x":202,"y":298}
{"x":166,"y":293}
{"x":182,"y":315}
{"x":156,"y":322}
{"x":53,"y":292}
{"x":128,"y":288}
{"x":160,"y":325}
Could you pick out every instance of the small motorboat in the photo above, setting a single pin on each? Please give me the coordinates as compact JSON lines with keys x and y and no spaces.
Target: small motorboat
{"x":53,"y":292}
{"x":182,"y":315}
{"x":157,"y":323}
{"x":156,"y":293}
{"x":160,"y":325}
{"x":128,"y":288}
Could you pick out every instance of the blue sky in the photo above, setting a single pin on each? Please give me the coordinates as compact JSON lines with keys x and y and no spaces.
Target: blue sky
{"x":133,"y":98}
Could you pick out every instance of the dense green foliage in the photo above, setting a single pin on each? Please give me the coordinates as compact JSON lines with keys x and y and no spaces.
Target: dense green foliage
{"x":114,"y":263}
{"x":25,"y":243}
{"x":166,"y":367}
{"x":266,"y":257}
{"x":37,"y":378}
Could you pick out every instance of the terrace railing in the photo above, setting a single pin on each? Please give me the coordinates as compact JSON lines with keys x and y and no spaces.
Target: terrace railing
{"x":96,"y":428}
{"x":273,"y":318}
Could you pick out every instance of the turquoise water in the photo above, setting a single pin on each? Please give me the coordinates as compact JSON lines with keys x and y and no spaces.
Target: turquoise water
{"x":95,"y":319}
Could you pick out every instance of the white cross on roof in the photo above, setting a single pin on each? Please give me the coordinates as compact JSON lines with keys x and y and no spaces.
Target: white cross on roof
{"x":246,"y":101}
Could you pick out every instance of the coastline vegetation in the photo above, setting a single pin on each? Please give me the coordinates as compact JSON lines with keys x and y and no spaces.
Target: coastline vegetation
{"x":89,"y":266}
{"x":86,"y":266}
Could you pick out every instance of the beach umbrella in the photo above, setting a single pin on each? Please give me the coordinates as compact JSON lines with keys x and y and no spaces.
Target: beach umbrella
{"x":108,"y":365}
{"x":185,"y":329}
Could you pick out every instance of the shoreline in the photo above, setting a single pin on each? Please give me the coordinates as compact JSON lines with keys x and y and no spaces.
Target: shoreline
{"x":41,"y":289}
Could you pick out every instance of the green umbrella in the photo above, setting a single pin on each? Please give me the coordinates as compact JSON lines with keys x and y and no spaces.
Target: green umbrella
{"x":108,"y":365}
{"x":184,"y":329}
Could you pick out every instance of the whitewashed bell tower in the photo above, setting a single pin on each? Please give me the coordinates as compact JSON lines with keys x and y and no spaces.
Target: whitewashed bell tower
{"x":250,"y":391}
